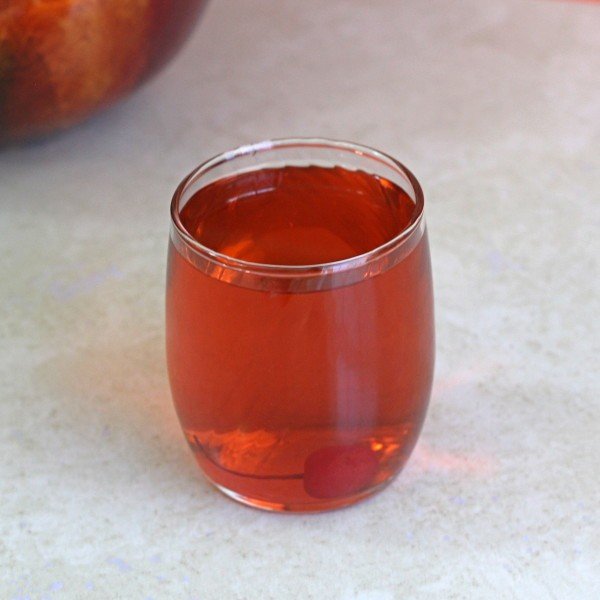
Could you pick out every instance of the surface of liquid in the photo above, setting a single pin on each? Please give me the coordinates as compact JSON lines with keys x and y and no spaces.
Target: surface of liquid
{"x":297,"y":215}
{"x":300,"y":401}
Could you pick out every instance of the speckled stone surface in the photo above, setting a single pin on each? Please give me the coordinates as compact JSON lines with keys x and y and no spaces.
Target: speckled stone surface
{"x":495,"y":105}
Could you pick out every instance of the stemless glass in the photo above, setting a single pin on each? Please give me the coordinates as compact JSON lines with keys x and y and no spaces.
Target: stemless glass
{"x":301,"y":386}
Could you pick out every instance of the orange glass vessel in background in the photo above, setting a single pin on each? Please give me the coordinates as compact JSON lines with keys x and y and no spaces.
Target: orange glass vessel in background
{"x":64,"y":60}
{"x":300,"y":332}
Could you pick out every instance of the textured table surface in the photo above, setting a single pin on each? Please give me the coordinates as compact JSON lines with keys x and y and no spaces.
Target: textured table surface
{"x":495,"y":105}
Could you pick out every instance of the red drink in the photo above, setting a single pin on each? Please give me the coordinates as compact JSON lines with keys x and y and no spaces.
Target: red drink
{"x":300,"y":388}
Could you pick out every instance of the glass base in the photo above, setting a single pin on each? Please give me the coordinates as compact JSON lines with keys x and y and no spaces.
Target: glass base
{"x":316,"y":506}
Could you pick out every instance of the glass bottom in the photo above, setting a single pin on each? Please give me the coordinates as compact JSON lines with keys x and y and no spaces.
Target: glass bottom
{"x":317,"y":506}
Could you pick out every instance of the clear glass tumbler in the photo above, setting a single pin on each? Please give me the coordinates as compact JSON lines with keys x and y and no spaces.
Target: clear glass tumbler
{"x":300,"y":329}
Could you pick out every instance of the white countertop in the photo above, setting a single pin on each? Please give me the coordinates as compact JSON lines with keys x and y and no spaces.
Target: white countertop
{"x":495,"y":105}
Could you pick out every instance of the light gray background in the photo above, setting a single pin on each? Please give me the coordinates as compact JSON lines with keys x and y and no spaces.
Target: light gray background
{"x":495,"y":105}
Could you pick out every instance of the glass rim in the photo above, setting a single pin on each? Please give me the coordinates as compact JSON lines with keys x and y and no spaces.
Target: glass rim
{"x":278,"y":270}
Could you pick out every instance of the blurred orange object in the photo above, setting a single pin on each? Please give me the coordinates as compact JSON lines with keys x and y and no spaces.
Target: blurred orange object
{"x":63,"y":60}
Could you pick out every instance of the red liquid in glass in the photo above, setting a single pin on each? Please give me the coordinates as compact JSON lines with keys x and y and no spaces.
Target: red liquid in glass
{"x":300,"y":400}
